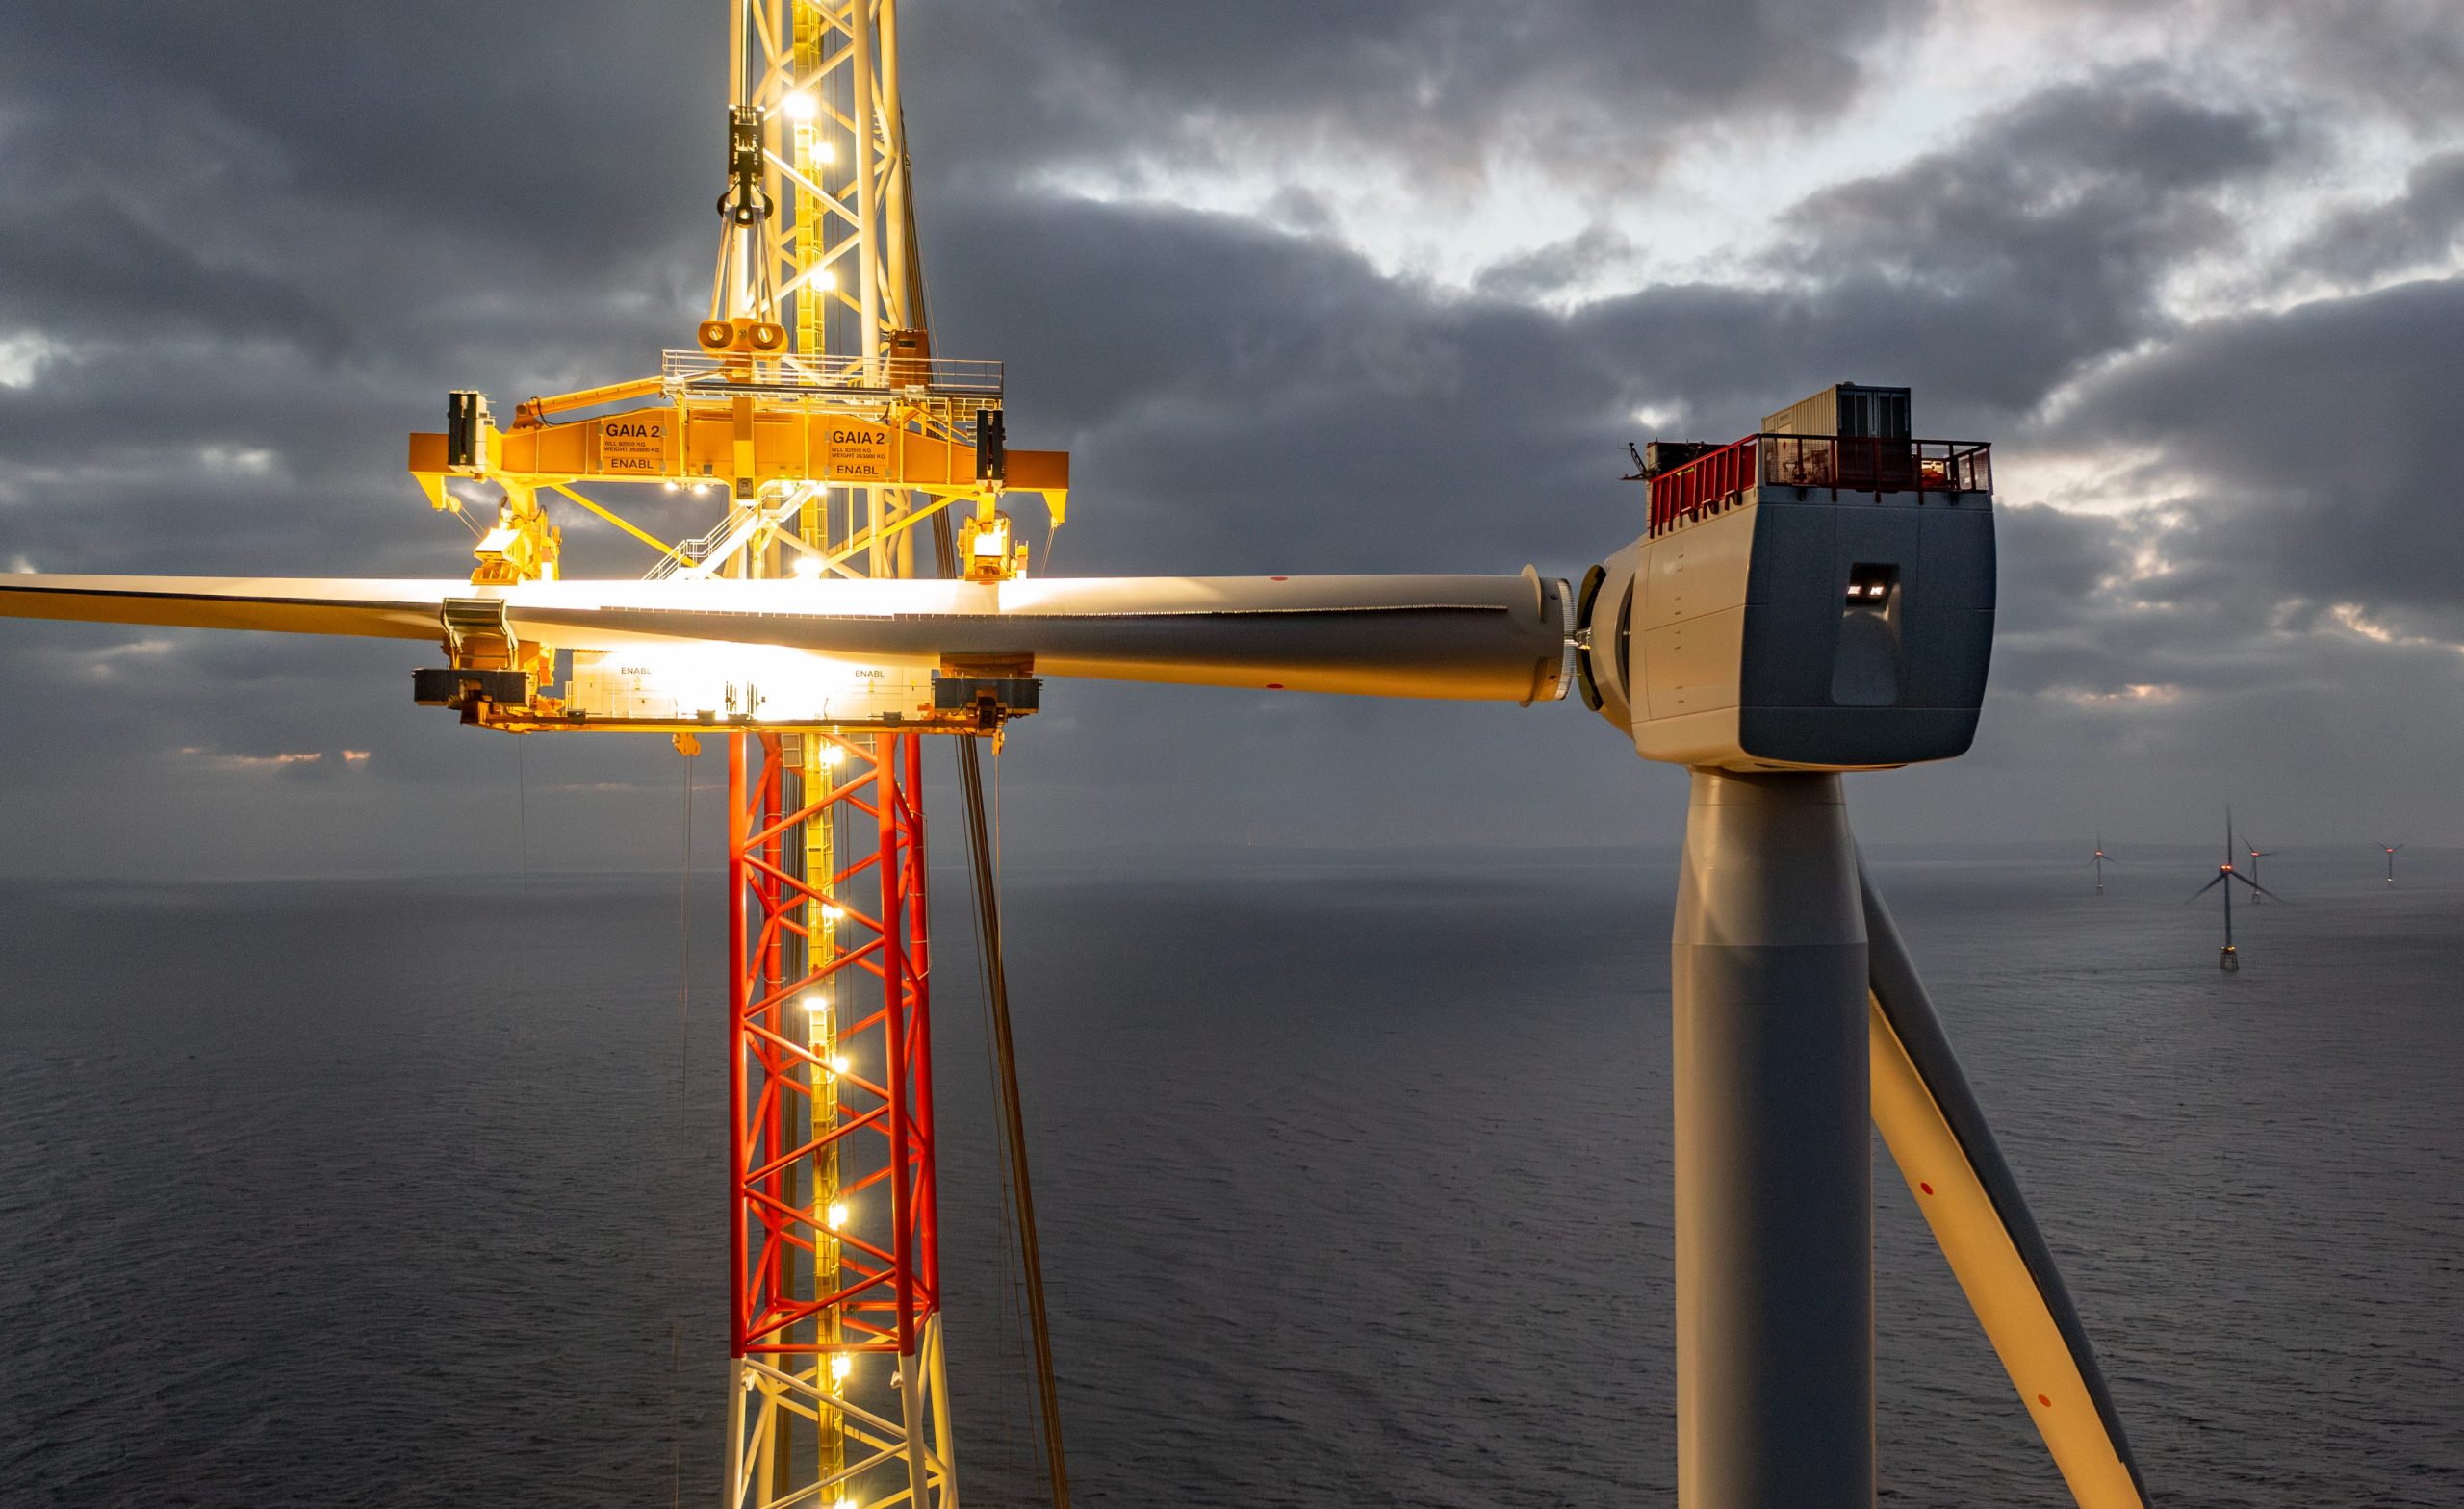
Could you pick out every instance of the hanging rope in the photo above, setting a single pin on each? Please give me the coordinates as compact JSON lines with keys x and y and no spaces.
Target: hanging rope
{"x":1013,"y":1315}
{"x":684,"y":1108}
{"x":685,"y":938}
{"x":522,"y":810}
{"x":984,"y":858}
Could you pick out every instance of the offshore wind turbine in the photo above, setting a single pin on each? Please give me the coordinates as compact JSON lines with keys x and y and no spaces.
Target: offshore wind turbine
{"x":2255,"y":854}
{"x":2391,"y":860}
{"x":2229,"y":961}
{"x":2100,"y":862}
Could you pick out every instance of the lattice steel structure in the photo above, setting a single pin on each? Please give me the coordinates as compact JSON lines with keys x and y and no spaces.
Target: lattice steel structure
{"x":838,"y":1394}
{"x":834,"y":1310}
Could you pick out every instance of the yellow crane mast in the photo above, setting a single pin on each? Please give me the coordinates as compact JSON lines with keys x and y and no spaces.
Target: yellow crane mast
{"x":813,"y":407}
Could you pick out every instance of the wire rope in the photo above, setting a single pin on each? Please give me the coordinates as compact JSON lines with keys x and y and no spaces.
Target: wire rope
{"x":522,"y":810}
{"x":684,"y":1117}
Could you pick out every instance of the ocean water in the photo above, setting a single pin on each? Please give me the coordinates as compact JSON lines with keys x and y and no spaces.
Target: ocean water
{"x":1354,"y":1172}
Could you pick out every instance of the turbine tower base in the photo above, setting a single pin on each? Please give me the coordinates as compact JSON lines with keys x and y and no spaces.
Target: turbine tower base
{"x":1775,"y":1317}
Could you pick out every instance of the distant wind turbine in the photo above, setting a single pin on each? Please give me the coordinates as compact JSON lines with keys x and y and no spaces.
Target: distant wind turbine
{"x":2100,"y":862}
{"x":2225,"y":875}
{"x":2391,"y":860}
{"x":2256,"y":853}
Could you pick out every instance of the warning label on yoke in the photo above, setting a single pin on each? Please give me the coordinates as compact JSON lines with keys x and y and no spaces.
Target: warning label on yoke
{"x":633,"y":443}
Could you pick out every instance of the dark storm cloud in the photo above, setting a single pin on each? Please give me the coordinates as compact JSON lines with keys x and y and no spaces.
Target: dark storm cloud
{"x":2399,"y":58}
{"x":1558,"y":268}
{"x":1270,"y":391}
{"x":2396,"y":63}
{"x":1238,"y":396}
{"x":1241,"y":395}
{"x":242,"y":262}
{"x":2048,"y":228}
{"x":546,"y":120}
{"x":2051,"y":610}
{"x":2416,"y":227}
{"x":80,"y":263}
{"x":380,"y":190}
{"x":1588,"y":89}
{"x":2318,"y":437}
{"x":2092,"y":607}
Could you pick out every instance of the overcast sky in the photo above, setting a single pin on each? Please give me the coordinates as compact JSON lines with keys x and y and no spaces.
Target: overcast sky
{"x":1384,"y":285}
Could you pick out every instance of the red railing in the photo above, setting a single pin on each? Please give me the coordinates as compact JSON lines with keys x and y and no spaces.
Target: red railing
{"x":1712,"y":483}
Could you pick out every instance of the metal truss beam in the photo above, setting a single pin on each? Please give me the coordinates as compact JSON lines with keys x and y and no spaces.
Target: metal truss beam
{"x":835,"y":1254}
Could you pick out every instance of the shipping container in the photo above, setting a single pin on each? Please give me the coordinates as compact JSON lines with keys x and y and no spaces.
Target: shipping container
{"x":1847,"y":436}
{"x":1846,"y":408}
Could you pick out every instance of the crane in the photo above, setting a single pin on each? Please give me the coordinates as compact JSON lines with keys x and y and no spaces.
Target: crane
{"x":1817,"y":597}
{"x":812,"y":410}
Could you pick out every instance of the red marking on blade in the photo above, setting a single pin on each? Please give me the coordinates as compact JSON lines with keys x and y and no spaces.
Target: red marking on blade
{"x":1927,"y":1187}
{"x":1274,"y":686}
{"x":1278,"y":578}
{"x":2046,"y":1402}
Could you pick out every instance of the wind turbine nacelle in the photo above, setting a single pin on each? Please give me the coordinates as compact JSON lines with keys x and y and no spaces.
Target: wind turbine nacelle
{"x":1800,"y":602}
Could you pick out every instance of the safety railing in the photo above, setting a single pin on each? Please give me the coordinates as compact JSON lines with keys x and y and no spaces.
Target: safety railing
{"x":688,"y":555}
{"x":795,"y":376}
{"x":1716,"y":481}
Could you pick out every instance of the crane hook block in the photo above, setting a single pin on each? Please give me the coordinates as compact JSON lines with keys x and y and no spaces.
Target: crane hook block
{"x":744,"y":203}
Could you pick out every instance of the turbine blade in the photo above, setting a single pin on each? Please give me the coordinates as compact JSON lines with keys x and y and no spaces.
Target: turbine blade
{"x":2254,"y":885}
{"x":1474,"y":638}
{"x":283,"y":605}
{"x":2204,"y":889}
{"x":1937,"y":1135}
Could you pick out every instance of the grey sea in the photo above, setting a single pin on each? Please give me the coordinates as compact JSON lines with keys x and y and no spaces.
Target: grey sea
{"x":1353,"y":1169}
